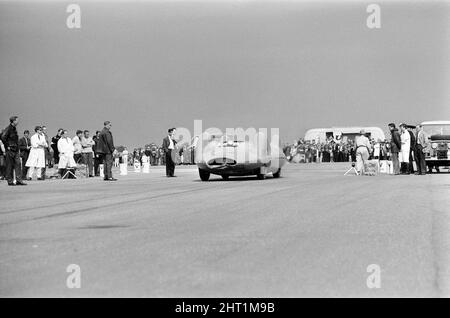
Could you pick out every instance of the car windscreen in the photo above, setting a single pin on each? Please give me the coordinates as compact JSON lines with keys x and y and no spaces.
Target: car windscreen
{"x":436,"y":129}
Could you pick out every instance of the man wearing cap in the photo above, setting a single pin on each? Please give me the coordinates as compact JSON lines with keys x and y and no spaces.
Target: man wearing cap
{"x":105,"y":149}
{"x":10,"y":140}
{"x":363,"y":148}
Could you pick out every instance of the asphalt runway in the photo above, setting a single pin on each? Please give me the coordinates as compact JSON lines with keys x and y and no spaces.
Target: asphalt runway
{"x":313,"y":232}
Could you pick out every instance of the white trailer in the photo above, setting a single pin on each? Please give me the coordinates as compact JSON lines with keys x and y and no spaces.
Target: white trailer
{"x":344,"y":133}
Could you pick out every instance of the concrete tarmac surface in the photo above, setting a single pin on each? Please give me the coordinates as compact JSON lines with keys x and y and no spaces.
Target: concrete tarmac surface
{"x":312,"y":232}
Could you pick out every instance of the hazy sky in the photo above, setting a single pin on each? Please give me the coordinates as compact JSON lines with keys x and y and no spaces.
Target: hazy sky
{"x":147,"y":66}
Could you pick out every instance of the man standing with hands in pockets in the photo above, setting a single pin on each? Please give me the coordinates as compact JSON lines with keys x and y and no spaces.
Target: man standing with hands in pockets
{"x":105,"y":148}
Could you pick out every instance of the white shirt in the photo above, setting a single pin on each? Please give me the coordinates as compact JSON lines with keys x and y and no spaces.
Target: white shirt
{"x":376,"y":150}
{"x":171,"y":146}
{"x":363,"y":141}
{"x":77,"y":145}
{"x":65,"y":146}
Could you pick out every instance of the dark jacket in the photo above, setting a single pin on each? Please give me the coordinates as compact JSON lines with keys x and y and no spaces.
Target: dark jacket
{"x":166,"y":144}
{"x":24,"y":143}
{"x":54,"y":144}
{"x":396,"y":142}
{"x":412,"y":140}
{"x":95,"y":139}
{"x":10,"y":138}
{"x":105,"y":143}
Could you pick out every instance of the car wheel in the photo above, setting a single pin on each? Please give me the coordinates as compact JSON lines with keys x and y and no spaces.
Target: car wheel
{"x":204,"y":175}
{"x":261,"y":176}
{"x":225,"y":177}
{"x":277,"y":174}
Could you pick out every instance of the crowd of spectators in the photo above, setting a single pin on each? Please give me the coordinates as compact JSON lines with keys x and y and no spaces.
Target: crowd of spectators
{"x":37,"y":155}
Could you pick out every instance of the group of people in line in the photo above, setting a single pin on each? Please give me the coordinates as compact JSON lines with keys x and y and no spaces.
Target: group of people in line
{"x":405,"y":146}
{"x":22,"y":158}
{"x":408,"y":145}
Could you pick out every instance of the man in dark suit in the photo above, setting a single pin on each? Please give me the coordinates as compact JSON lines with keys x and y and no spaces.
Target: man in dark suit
{"x":96,"y":155}
{"x":395,"y":146}
{"x":412,"y":149}
{"x":10,"y":139}
{"x":24,"y":147}
{"x":105,"y":149}
{"x":169,"y":147}
{"x":54,"y":146}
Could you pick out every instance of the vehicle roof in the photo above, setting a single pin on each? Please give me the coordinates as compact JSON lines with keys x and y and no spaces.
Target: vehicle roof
{"x":436,"y":122}
{"x":346,"y":129}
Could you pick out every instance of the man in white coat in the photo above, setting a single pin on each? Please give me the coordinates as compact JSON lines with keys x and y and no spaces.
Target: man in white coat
{"x":405,"y":149}
{"x":66,"y":149}
{"x":36,"y":159}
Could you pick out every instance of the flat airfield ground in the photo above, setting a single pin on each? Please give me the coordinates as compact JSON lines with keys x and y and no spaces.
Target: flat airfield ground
{"x":312,"y":232}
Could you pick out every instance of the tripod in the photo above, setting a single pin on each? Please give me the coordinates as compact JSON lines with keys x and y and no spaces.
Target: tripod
{"x":68,"y":173}
{"x":352,"y":169}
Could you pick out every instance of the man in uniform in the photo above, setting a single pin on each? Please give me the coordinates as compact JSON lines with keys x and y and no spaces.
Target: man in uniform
{"x":10,"y":140}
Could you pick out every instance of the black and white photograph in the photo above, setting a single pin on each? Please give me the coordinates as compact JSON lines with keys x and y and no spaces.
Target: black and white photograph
{"x":224,"y":149}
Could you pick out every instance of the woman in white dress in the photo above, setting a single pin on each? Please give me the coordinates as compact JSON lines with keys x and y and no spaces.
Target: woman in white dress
{"x":36,"y":159}
{"x":66,"y":149}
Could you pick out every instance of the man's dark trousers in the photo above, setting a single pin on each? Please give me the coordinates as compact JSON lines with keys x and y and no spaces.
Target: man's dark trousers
{"x":97,"y":162}
{"x":107,"y":160}
{"x":420,"y":160}
{"x":411,"y":167}
{"x":13,"y":164}
{"x":24,"y":157}
{"x":170,"y":165}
